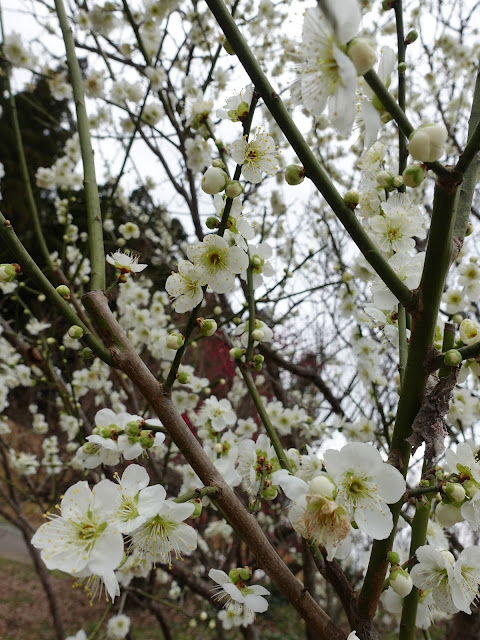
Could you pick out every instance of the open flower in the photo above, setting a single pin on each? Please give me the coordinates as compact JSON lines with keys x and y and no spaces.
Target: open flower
{"x":216,"y":262}
{"x":240,"y":596}
{"x":125,"y":261}
{"x":185,"y":287}
{"x":328,"y":74}
{"x":82,"y":541}
{"x":256,"y":156}
{"x":366,"y":486}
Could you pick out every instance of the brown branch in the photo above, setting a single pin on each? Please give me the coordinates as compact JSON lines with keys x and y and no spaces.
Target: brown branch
{"x":126,"y":358}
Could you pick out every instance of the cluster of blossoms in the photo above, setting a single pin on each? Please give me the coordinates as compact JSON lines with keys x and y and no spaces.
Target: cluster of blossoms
{"x":87,"y":539}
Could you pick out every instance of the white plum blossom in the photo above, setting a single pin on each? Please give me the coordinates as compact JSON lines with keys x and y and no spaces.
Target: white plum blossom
{"x":124,"y":498}
{"x":401,"y":221}
{"x":185,"y":287}
{"x":198,"y":152}
{"x":366,"y":486}
{"x":125,"y":261}
{"x":217,"y":263}
{"x":328,"y":74}
{"x":232,"y":104}
{"x":256,"y":156}
{"x":239,"y":597}
{"x":163,"y":530}
{"x":217,"y":414}
{"x":82,"y":541}
{"x":408,"y":268}
{"x":118,"y":627}
{"x":433,"y":572}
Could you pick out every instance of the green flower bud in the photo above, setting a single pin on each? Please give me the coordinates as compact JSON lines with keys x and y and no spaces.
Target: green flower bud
{"x":457,"y":318}
{"x":75,"y":332}
{"x":352,"y":198}
{"x":105,"y":432}
{"x":411,"y":36}
{"x":258,"y":335}
{"x":414,"y":175}
{"x":212,"y":222}
{"x":234,"y":575}
{"x":207,"y":326}
{"x":245,"y":573}
{"x":64,"y":291}
{"x":393,"y":557}
{"x":236,"y":353}
{"x":132,"y":428}
{"x":384,"y":179}
{"x":8,"y":272}
{"x":402,"y":67}
{"x":397,"y":181}
{"x":452,"y":358}
{"x":469,"y":230}
{"x":175,"y":341}
{"x":233,"y":189}
{"x":87,"y":353}
{"x":454,"y":492}
{"x":146,"y":438}
{"x":183,"y":377}
{"x":294,"y":174}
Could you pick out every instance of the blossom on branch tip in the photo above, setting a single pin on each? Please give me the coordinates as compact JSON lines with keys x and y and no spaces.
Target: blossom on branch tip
{"x":125,"y":261}
{"x":256,"y":156}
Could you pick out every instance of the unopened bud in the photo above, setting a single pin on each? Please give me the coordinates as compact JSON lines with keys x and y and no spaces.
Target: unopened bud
{"x":352,"y":198}
{"x":361,"y":52}
{"x":175,"y":341}
{"x":258,"y":335}
{"x":397,"y":181}
{"x":87,"y":353}
{"x":393,"y":557}
{"x":214,"y":180}
{"x":471,"y":488}
{"x":402,"y":67}
{"x":234,"y":576}
{"x":75,"y":332}
{"x":212,"y":222}
{"x":207,"y":326}
{"x":228,"y":47}
{"x":455,"y":492}
{"x":233,"y":189}
{"x":236,"y":353}
{"x":411,"y":36}
{"x":384,"y":179}
{"x":457,"y":318}
{"x":469,"y":230}
{"x":401,"y":582}
{"x":198,"y":508}
{"x":427,"y":143}
{"x":447,"y":514}
{"x":64,"y":291}
{"x":322,"y":485}
{"x":183,"y":377}
{"x":8,"y":272}
{"x":414,"y":175}
{"x":452,"y":358}
{"x":294,"y":174}
{"x":245,"y":573}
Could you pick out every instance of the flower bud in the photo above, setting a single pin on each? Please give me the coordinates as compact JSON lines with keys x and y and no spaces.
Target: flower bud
{"x":469,"y":230}
{"x":471,"y":488}
{"x":214,"y":180}
{"x":457,"y":318}
{"x":361,"y":52}
{"x":234,"y":575}
{"x":75,"y":332}
{"x":352,"y":198}
{"x":469,"y":331}
{"x":401,"y":582}
{"x":414,"y":175}
{"x":384,"y":179}
{"x":454,"y":492}
{"x":258,"y":335}
{"x":453,"y":358}
{"x":8,"y":272}
{"x":242,"y":111}
{"x":207,"y":326}
{"x":87,"y":353}
{"x":447,"y":514}
{"x":294,"y":174}
{"x":397,"y":181}
{"x":175,"y":341}
{"x":64,"y":291}
{"x":411,"y":36}
{"x":233,"y":189}
{"x":245,"y":573}
{"x":183,"y":377}
{"x":322,"y":485}
{"x":132,"y":428}
{"x":236,"y":353}
{"x":393,"y":557}
{"x":146,"y":438}
{"x":427,"y":143}
{"x":212,"y":222}
{"x":402,"y":67}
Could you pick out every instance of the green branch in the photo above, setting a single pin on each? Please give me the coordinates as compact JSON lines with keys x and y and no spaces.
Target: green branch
{"x":312,"y":167}
{"x":92,"y":201}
